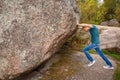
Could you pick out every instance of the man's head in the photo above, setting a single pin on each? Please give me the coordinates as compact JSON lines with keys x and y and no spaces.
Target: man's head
{"x":85,"y":27}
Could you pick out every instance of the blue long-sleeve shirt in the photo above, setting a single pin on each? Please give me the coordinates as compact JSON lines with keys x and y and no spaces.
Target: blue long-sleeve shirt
{"x":94,"y":35}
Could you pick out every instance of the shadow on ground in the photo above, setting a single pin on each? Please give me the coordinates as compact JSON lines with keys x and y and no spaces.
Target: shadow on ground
{"x":71,"y":66}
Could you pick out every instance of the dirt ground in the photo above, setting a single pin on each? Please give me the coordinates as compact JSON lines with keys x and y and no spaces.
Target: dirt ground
{"x":72,"y":66}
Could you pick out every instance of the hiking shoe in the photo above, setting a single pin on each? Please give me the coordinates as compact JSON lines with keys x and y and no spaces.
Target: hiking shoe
{"x":108,"y":67}
{"x":91,"y":63}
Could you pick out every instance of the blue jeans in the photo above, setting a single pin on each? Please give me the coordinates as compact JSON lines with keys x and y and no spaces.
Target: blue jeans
{"x":98,"y":50}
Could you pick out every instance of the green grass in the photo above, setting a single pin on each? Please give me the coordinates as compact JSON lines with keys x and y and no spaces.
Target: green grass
{"x":117,"y":72}
{"x":116,"y":56}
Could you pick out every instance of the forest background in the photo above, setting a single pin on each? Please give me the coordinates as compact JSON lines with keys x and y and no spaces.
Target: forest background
{"x":98,"y":11}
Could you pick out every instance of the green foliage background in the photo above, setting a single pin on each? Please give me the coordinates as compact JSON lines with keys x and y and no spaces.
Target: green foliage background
{"x":95,"y":12}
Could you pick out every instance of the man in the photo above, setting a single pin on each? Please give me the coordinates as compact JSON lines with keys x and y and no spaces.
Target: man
{"x":95,"y":44}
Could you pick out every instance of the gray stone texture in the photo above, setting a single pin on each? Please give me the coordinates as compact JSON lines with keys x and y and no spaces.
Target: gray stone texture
{"x":31,"y":31}
{"x":109,"y":37}
{"x":112,"y":22}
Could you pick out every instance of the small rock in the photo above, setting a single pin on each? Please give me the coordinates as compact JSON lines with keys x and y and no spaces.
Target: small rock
{"x":113,"y":22}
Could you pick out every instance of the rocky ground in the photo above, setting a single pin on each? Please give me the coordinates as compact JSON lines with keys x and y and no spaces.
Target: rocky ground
{"x":72,"y":66}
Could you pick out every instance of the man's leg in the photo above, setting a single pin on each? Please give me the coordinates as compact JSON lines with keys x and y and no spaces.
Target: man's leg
{"x":86,"y":49}
{"x":99,"y":51}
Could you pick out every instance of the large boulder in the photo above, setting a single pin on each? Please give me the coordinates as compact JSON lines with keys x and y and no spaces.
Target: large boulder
{"x":31,"y":31}
{"x":109,"y":37}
